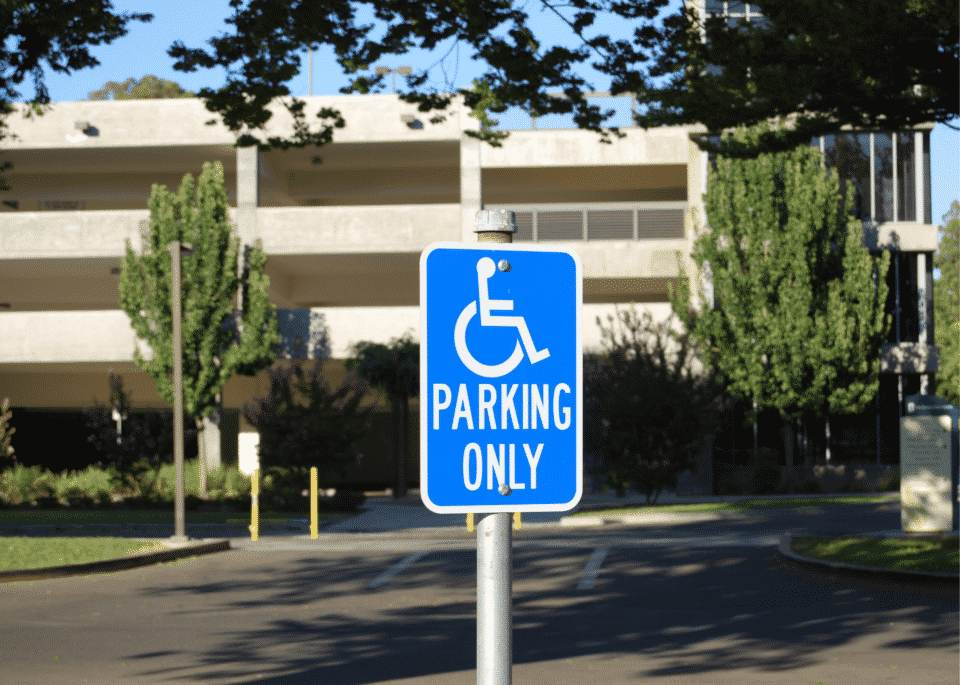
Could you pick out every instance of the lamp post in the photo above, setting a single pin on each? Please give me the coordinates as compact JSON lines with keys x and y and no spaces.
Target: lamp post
{"x":177,"y":249}
{"x":403,"y":71}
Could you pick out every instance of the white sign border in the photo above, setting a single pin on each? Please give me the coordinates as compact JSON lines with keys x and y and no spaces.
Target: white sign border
{"x":424,"y":391}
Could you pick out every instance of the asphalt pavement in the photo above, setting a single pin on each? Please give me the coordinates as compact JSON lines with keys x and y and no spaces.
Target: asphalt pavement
{"x":618,"y":602}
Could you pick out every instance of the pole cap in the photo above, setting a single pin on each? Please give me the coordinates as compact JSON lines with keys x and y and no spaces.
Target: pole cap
{"x":495,"y":220}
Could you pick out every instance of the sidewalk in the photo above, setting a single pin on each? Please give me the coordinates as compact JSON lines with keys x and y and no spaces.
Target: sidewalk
{"x":384,"y":514}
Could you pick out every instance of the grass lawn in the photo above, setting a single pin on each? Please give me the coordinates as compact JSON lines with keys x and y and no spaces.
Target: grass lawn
{"x":942,"y":556}
{"x":28,"y":517}
{"x":43,"y":552}
{"x":746,"y":505}
{"x":21,"y":553}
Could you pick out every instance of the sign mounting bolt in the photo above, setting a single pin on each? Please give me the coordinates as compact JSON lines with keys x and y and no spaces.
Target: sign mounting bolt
{"x":504,"y":265}
{"x":505,"y":489}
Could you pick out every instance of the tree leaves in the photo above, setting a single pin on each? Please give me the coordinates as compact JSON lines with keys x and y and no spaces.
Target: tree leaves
{"x":217,"y":340}
{"x":798,"y":321}
{"x":946,"y":302}
{"x":303,"y":422}
{"x":816,"y":65}
{"x":647,"y":405}
{"x":148,"y":88}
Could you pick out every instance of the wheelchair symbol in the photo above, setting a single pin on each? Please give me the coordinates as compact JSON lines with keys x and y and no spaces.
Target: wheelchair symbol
{"x":486,"y":269}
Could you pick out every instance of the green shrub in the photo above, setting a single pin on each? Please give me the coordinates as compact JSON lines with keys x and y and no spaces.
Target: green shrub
{"x":890,"y":483}
{"x":165,"y":484}
{"x":144,"y":443}
{"x":647,"y":410}
{"x":25,"y":484}
{"x":96,"y":485}
{"x":853,"y":485}
{"x":766,"y":476}
{"x":235,"y":483}
{"x":93,"y":483}
{"x":303,"y":421}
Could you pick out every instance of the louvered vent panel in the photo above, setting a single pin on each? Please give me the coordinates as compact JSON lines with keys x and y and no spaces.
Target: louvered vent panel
{"x":559,"y":225}
{"x":610,"y":224}
{"x":660,"y":223}
{"x":524,"y":232}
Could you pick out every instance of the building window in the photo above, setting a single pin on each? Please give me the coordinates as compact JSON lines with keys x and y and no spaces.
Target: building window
{"x":906,"y":177}
{"x":884,"y":182}
{"x":883,"y":177}
{"x":927,"y":199}
{"x":882,"y":168}
{"x":848,"y":155}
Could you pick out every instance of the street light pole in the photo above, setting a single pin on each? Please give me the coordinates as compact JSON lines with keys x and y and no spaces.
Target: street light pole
{"x":403,"y":71}
{"x":176,"y":248}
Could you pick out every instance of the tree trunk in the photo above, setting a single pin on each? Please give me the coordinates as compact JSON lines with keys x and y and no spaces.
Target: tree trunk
{"x":208,"y":446}
{"x":201,"y":458}
{"x":788,"y":451}
{"x":399,"y":410}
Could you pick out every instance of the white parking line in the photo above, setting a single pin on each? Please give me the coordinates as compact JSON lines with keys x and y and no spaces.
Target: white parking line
{"x":592,"y":568}
{"x":396,"y":568}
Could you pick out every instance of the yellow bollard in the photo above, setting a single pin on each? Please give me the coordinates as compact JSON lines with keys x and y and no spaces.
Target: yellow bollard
{"x":516,"y":521}
{"x":255,"y":506}
{"x":314,"y":523}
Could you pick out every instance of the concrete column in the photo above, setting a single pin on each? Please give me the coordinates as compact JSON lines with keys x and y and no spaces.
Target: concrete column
{"x":248,"y":194}
{"x":471,"y":198}
{"x":248,"y":199}
{"x":923,"y":303}
{"x":918,"y":176}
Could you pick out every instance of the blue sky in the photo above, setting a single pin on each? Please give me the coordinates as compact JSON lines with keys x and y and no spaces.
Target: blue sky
{"x":144,"y":51}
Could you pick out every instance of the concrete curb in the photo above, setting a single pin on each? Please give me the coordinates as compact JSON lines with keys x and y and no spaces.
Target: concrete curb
{"x":649,"y":518}
{"x":597,"y":517}
{"x":176,"y":551}
{"x":886,"y":574}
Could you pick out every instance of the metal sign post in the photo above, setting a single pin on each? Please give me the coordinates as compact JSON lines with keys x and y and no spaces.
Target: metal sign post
{"x":495,"y":540}
{"x":494,"y":600}
{"x":501,"y":414}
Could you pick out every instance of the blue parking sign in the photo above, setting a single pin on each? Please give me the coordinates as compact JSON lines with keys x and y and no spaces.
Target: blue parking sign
{"x":501,"y":377}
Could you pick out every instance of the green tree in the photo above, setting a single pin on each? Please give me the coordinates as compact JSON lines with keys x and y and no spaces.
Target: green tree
{"x":303,"y":422}
{"x":867,"y":63}
{"x":797,"y":318}
{"x":147,"y":88}
{"x":946,"y":303}
{"x":648,"y":408}
{"x":394,"y":369}
{"x":135,"y":447}
{"x":218,"y":340}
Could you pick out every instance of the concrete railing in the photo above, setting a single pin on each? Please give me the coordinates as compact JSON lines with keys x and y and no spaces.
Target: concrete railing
{"x":284,"y":230}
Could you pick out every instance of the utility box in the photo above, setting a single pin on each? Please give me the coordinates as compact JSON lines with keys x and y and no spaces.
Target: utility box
{"x":929,"y":450}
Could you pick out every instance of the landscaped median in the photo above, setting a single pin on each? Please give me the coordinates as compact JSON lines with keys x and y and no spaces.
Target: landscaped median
{"x":906,"y":557}
{"x":26,"y":558}
{"x":928,"y":557}
{"x":711,"y":511}
{"x":37,"y":544}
